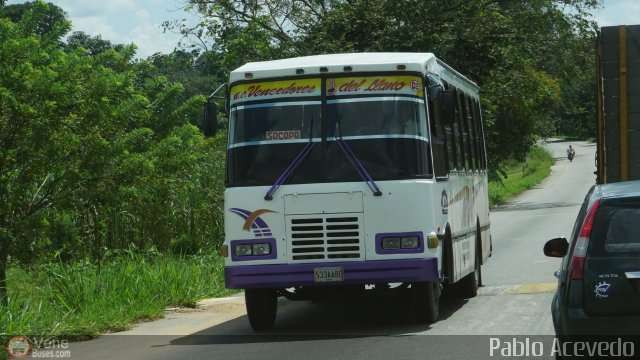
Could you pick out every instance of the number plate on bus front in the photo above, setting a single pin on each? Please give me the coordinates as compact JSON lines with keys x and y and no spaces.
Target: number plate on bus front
{"x":328,"y":274}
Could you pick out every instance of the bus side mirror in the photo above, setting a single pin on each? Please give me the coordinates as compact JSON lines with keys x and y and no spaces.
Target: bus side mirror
{"x":433,"y":92}
{"x":210,"y":119}
{"x":227,"y":101}
{"x":447,"y":104}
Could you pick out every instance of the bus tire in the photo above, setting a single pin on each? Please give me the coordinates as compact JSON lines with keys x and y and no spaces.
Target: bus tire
{"x":479,"y":254}
{"x":262,"y":306}
{"x":470,"y":283}
{"x":426,"y":298}
{"x":447,"y":258}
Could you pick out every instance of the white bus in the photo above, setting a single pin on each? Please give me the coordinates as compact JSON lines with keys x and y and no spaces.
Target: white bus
{"x":354,"y":172}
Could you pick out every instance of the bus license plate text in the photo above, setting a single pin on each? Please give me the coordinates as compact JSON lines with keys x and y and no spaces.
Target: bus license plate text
{"x":328,"y":274}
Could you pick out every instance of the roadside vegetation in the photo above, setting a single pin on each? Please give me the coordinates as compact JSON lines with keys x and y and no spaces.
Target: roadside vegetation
{"x":83,"y":299}
{"x":111,"y":197}
{"x":518,"y":176}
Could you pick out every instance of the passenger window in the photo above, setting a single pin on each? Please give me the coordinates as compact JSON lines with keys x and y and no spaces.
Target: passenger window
{"x":453,"y":151}
{"x":459,"y":133}
{"x":468,"y":123}
{"x":477,"y":118}
{"x":451,"y":147}
{"x":438,"y":146}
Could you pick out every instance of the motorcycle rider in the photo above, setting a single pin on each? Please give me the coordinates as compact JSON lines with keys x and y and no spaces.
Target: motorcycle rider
{"x":571,"y":153}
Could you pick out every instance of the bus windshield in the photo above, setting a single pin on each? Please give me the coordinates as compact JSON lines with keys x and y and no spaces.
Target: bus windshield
{"x":388,"y":134}
{"x":274,"y":123}
{"x":386,"y":117}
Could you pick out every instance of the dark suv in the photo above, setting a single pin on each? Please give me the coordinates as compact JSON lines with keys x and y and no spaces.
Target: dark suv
{"x":599,"y":279}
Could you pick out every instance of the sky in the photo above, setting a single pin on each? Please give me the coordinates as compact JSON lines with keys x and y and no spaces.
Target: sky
{"x":126,"y":21}
{"x":139,"y":21}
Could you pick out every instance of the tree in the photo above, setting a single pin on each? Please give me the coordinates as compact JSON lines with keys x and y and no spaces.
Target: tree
{"x":94,"y":45}
{"x":79,"y":137}
{"x":198,"y":73}
{"x":32,"y":159}
{"x":46,"y":23}
{"x":512,"y":49}
{"x":251,"y":30}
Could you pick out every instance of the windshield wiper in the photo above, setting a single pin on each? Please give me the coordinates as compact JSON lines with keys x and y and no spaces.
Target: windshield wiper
{"x":293,"y":166}
{"x":356,"y":162}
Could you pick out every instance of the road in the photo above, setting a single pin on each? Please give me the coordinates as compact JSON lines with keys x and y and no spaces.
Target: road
{"x":513,"y":303}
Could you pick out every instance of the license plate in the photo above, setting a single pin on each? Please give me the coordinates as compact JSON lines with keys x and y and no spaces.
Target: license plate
{"x":328,"y":274}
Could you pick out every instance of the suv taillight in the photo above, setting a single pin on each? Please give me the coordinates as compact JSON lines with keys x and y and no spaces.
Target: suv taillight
{"x":576,"y":266}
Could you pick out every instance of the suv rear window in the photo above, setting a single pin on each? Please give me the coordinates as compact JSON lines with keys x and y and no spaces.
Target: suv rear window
{"x":616,"y":231}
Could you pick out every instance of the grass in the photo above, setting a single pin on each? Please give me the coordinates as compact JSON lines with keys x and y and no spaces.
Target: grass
{"x":82,"y":299}
{"x":521,"y":176}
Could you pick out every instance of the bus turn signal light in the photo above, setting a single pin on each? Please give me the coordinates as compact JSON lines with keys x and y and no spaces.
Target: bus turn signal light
{"x":433,"y":241}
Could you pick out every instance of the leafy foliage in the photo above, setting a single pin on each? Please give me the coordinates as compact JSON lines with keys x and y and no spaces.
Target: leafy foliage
{"x":97,"y":151}
{"x":532,"y":59}
{"x":521,"y":175}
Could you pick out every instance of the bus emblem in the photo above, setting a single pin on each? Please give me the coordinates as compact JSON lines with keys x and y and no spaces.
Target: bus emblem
{"x":444,"y":202}
{"x":252,"y":220}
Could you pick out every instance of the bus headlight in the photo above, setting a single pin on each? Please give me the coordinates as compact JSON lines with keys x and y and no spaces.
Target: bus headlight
{"x":252,"y":249}
{"x":243,"y":250}
{"x":261,"y":249}
{"x":391,"y":243}
{"x":409,"y":242}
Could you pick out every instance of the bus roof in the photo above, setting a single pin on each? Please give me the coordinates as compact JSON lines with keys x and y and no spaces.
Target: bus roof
{"x":425,"y":63}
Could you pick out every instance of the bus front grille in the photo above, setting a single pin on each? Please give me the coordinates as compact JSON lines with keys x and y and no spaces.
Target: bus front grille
{"x":335,"y":237}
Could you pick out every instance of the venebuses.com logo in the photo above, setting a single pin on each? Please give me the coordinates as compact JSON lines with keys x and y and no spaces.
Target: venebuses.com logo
{"x":19,"y":347}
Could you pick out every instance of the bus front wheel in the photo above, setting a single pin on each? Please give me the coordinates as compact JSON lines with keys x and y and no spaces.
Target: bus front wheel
{"x":262,"y":306}
{"x":426,"y":298}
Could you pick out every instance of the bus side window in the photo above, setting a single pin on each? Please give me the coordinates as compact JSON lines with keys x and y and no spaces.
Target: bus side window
{"x":438,"y":146}
{"x":471,"y":133}
{"x":480,"y":135}
{"x":453,"y":153}
{"x":459,"y":133}
{"x":475,"y":122}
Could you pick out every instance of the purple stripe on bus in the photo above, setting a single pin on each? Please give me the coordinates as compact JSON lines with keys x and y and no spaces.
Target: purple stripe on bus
{"x":356,"y":272}
{"x":258,"y":223}
{"x":261,"y":223}
{"x":242,"y":212}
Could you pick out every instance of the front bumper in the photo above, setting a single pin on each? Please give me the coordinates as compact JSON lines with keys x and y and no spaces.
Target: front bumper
{"x":355,"y":273}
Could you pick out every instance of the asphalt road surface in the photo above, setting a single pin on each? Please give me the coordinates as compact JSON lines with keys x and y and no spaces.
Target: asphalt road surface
{"x":511,"y":312}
